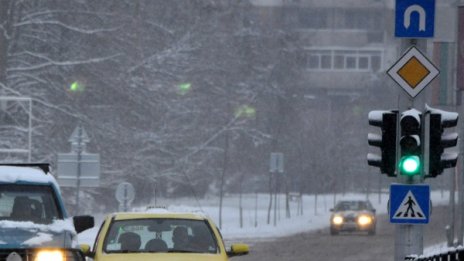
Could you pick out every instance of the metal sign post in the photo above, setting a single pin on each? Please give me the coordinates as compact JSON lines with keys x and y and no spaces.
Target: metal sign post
{"x":125,"y":194}
{"x":276,"y":167}
{"x":413,"y":19}
{"x":277,"y":162}
{"x":78,"y":168}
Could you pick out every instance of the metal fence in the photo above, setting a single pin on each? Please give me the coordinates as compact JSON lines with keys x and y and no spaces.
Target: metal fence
{"x":454,"y":255}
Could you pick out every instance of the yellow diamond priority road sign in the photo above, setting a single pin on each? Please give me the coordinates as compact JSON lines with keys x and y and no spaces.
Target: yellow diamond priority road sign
{"x":413,"y":72}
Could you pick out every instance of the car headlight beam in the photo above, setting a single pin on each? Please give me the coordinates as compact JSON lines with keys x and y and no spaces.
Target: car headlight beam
{"x":50,"y":255}
{"x":337,"y":220}
{"x":364,"y":220}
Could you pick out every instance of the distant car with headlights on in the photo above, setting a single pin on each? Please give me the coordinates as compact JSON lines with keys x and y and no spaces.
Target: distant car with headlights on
{"x":160,"y":234}
{"x":351,"y":216}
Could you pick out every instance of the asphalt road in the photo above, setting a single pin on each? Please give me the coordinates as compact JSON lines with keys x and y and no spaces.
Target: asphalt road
{"x":319,"y":245}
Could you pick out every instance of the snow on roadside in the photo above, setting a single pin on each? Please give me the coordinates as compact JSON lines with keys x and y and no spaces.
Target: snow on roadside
{"x":255,"y":213}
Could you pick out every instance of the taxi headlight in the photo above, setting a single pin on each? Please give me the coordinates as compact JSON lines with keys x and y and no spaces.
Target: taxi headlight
{"x":337,"y":220}
{"x":50,"y":255}
{"x":364,"y":220}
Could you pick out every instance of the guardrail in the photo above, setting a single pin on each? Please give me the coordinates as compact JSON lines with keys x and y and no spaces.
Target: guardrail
{"x":453,"y":255}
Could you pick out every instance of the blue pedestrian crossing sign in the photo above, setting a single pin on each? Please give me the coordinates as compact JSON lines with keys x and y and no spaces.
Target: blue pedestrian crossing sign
{"x":409,"y":204}
{"x":414,"y":18}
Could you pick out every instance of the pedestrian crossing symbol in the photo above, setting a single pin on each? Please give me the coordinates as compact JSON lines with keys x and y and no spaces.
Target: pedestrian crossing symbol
{"x":409,"y":204}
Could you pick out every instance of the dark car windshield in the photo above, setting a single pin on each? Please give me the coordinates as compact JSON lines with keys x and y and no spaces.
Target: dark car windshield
{"x":353,"y":205}
{"x":34,"y":203}
{"x":160,"y":235}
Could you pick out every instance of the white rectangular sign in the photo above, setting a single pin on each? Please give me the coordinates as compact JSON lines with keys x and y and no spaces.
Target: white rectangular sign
{"x":67,"y":168}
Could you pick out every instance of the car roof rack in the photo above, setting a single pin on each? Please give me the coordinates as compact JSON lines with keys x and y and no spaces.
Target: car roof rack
{"x":45,"y":167}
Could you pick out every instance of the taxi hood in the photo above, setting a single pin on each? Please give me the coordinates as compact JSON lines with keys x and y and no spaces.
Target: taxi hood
{"x":162,"y":256}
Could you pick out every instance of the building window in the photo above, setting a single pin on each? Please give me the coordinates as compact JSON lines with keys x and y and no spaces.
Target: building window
{"x":350,"y":62}
{"x":343,"y":60}
{"x":314,"y":62}
{"x":314,"y":18}
{"x":363,"y":63}
{"x":326,"y":61}
{"x":320,"y":60}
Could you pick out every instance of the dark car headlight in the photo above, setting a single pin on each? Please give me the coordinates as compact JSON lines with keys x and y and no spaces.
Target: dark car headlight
{"x":50,"y":255}
{"x":57,"y":255}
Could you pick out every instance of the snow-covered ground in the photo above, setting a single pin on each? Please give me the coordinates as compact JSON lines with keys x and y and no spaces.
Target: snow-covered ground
{"x":255,"y":211}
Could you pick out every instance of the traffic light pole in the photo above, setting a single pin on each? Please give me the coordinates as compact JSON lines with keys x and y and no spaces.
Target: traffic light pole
{"x":409,"y":239}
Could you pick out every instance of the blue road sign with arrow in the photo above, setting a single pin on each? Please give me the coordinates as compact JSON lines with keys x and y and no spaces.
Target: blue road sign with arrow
{"x":409,"y":204}
{"x":414,"y":18}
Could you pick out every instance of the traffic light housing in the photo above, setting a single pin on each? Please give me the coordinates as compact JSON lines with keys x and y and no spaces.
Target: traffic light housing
{"x":411,"y":142}
{"x":387,"y":141}
{"x":438,"y":141}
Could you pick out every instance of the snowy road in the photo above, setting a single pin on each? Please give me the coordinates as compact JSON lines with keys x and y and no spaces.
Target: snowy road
{"x":319,"y":245}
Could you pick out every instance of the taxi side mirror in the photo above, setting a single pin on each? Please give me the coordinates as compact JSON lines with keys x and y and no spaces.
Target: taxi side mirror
{"x":238,"y":250}
{"x":86,"y":250}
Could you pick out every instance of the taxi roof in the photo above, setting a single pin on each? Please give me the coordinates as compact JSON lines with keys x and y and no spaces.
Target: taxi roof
{"x":159,"y":213}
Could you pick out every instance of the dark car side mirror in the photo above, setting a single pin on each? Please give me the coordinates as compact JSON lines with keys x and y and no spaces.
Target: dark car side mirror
{"x":82,"y":223}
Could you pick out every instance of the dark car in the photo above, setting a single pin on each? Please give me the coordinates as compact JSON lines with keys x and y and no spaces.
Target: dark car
{"x":353,"y":215}
{"x":34,"y":224}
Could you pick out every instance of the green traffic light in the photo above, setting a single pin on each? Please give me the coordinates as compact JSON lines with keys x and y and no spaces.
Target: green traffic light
{"x":184,"y":88}
{"x":410,"y":165}
{"x":245,"y":111}
{"x":76,"y":87}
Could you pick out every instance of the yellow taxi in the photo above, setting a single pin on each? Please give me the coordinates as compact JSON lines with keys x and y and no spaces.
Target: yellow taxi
{"x":159,"y":234}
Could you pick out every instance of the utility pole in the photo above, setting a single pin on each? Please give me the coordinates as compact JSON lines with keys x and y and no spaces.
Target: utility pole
{"x":4,"y":41}
{"x":79,"y":150}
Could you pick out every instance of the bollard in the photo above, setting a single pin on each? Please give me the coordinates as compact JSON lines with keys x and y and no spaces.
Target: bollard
{"x":452,"y":255}
{"x":443,"y":257}
{"x":449,"y":235}
{"x":461,"y":255}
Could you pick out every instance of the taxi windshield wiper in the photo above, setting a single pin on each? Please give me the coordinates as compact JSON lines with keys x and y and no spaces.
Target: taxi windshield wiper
{"x":182,"y":251}
{"x":123,"y":251}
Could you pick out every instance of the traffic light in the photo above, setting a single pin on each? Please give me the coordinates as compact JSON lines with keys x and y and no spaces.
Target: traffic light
{"x":76,"y":86}
{"x":438,"y":142}
{"x":387,"y":121}
{"x":411,"y":159}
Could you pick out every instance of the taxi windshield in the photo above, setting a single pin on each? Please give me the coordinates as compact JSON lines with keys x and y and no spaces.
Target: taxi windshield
{"x":160,"y":235}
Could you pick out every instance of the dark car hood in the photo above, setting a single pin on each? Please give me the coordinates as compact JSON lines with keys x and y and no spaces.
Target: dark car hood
{"x":28,"y":234}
